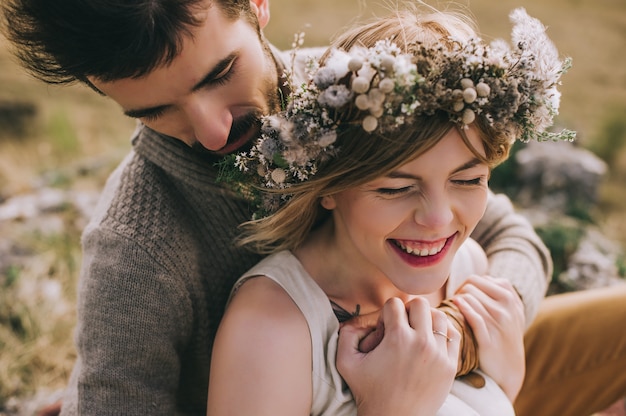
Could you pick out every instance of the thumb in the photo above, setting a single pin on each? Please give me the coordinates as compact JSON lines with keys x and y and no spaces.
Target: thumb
{"x":348,"y":352}
{"x":375,"y":329}
{"x":373,"y":338}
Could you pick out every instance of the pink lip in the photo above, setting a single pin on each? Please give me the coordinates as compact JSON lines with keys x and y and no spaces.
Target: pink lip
{"x":423,"y":261}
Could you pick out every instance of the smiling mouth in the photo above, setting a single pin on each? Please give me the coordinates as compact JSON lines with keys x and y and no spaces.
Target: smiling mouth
{"x":421,"y":249}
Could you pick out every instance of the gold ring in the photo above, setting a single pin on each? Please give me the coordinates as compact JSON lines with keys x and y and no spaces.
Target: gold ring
{"x":443,"y":335}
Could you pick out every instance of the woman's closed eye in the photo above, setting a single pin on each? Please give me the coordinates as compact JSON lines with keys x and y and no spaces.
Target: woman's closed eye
{"x":395,"y":191}
{"x":470,"y":182}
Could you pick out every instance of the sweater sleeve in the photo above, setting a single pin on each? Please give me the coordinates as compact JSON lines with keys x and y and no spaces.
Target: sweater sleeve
{"x":515,"y":252}
{"x":133,"y":318}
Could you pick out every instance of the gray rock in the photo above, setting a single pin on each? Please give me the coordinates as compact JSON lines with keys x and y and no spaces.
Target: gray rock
{"x":558,"y":176}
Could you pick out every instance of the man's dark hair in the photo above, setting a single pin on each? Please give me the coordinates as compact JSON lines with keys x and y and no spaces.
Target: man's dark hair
{"x":60,"y":42}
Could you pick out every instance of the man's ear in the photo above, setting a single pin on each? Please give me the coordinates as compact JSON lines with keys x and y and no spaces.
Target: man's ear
{"x":328,"y":202}
{"x":262,"y":10}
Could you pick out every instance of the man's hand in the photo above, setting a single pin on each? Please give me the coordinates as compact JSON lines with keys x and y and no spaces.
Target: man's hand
{"x":495,"y":312}
{"x":411,"y":370}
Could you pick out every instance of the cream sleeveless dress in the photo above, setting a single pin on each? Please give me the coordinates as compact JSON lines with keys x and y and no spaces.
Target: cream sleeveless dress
{"x":331,"y":397}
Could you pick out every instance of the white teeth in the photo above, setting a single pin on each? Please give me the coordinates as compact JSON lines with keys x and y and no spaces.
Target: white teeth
{"x":423,"y":252}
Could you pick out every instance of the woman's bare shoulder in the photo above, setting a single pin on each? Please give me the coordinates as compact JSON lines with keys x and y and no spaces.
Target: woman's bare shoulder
{"x":262,"y":351}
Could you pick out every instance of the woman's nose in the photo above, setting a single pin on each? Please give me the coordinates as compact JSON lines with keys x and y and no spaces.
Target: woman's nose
{"x":434,"y":212}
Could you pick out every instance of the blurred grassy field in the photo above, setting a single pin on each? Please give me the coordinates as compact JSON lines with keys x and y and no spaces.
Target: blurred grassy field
{"x":73,"y":127}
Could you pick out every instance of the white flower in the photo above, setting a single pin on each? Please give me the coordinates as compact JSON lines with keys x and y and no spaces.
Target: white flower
{"x":369,"y":123}
{"x":377,"y":111}
{"x":278,"y":175}
{"x":467,"y":83}
{"x":386,"y":85}
{"x":286,"y":129}
{"x":362,"y":102}
{"x":404,"y":70}
{"x":497,"y":52}
{"x":338,"y":62}
{"x":554,"y":99}
{"x":324,"y":78}
{"x":267,"y":147}
{"x":367,"y":73}
{"x":468,"y":116}
{"x":360,"y":85}
{"x":408,"y":108}
{"x":335,"y":96}
{"x":297,"y":155}
{"x":387,"y":62}
{"x":327,"y":139}
{"x":355,"y":64}
{"x":530,"y":33}
{"x":483,"y":89}
{"x":376,"y":96}
{"x":469,"y":95}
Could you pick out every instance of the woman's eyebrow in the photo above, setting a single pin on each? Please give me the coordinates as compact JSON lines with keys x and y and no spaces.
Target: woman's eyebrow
{"x":396,"y":174}
{"x":468,"y":165}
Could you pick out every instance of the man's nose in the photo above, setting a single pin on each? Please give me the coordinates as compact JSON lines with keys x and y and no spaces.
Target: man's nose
{"x":210,"y":123}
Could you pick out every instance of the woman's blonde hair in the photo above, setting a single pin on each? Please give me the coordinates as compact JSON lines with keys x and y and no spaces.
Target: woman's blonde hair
{"x":365,"y":156}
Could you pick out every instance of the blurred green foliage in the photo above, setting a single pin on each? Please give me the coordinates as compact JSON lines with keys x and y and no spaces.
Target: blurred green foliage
{"x":610,"y":141}
{"x":562,"y":239}
{"x":62,"y":135}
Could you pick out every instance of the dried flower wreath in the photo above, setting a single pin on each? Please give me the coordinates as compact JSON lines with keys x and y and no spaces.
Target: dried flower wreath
{"x":514,"y":88}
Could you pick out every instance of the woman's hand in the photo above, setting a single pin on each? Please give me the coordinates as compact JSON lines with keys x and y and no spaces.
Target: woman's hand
{"x":411,"y":370}
{"x":495,"y":312}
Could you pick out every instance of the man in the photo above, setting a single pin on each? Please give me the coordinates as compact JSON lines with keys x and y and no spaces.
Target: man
{"x":159,"y":258}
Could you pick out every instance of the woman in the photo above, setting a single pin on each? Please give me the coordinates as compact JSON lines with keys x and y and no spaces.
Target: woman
{"x":370,"y":185}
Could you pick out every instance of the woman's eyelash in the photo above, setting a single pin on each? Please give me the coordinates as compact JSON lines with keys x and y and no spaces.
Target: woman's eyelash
{"x":475,"y":181}
{"x":393,"y":191}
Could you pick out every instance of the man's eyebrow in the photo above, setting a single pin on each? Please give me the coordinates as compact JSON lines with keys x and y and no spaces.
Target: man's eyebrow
{"x":213,"y":74}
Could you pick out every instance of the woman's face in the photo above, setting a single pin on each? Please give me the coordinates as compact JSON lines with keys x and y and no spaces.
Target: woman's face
{"x":409,"y":224}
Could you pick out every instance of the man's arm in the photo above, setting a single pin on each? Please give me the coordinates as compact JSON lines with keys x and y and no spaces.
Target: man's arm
{"x":515,"y":252}
{"x":131,"y":321}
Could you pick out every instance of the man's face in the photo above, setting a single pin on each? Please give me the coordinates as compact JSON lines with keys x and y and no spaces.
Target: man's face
{"x":212,"y":93}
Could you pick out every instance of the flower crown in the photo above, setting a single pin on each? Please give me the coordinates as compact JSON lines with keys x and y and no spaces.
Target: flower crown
{"x":514,"y":89}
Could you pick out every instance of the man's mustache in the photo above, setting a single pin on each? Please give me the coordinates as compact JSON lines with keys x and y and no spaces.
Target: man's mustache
{"x":240,"y":127}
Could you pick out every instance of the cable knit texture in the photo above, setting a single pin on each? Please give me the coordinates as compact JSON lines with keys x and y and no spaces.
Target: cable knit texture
{"x":158,"y":265}
{"x":159,"y":262}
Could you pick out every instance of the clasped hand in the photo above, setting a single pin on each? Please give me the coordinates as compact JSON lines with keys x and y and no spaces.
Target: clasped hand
{"x":411,"y":370}
{"x":396,"y":362}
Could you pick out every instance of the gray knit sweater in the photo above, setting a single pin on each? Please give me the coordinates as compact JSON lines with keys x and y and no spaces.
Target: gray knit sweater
{"x":159,"y":262}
